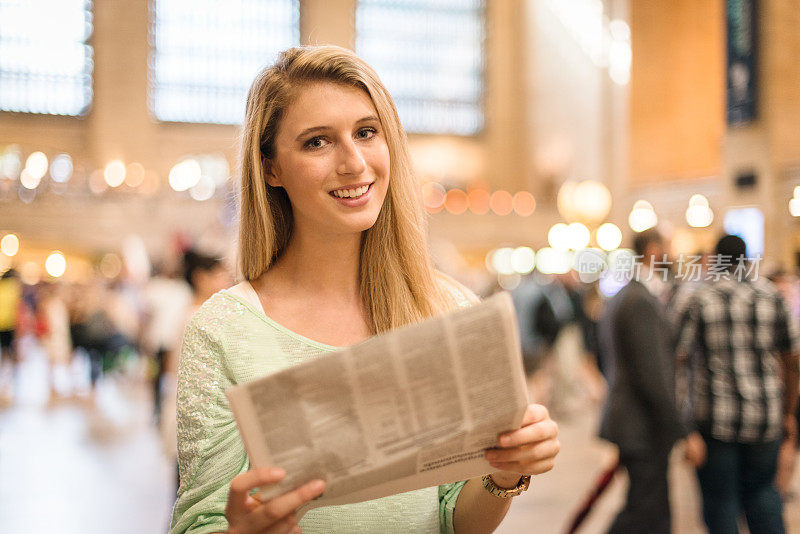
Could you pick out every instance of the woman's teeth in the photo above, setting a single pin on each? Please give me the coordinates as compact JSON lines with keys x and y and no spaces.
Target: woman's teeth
{"x":350,"y":193}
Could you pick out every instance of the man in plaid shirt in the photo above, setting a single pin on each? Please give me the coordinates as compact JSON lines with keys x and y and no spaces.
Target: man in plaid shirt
{"x":742,"y":352}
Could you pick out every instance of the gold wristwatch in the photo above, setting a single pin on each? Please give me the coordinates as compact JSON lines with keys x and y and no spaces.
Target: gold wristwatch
{"x":506,"y":493}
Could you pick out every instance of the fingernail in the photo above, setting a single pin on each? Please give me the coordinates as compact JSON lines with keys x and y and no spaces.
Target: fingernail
{"x":505,"y":441}
{"x":491,"y":456}
{"x":317,"y":485}
{"x":277,"y":472}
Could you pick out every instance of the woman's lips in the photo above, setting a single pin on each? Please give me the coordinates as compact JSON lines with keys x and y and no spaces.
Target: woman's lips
{"x":357,"y":201}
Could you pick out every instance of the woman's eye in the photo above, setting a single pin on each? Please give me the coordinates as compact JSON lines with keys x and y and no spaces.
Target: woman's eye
{"x":366,"y":133}
{"x":315,"y":142}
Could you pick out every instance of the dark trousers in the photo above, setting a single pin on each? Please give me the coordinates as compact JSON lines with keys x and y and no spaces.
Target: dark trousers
{"x":646,"y":509}
{"x":160,"y":356}
{"x":741,"y":477}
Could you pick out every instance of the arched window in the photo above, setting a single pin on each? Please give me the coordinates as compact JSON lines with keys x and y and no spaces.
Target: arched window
{"x":205,"y":54}
{"x":45,"y":61}
{"x":430,"y":56}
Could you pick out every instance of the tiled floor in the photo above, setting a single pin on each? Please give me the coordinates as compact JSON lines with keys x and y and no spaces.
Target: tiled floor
{"x":71,"y":468}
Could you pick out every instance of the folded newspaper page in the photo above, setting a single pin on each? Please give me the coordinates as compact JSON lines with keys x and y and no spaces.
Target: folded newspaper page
{"x":407,"y":409}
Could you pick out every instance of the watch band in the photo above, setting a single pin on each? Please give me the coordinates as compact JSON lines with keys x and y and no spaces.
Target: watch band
{"x":506,"y":493}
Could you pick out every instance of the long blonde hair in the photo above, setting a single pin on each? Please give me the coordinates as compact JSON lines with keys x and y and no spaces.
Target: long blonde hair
{"x":396,"y":277}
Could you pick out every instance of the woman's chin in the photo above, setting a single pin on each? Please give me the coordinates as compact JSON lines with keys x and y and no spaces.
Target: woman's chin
{"x":360,"y":223}
{"x":366,"y":225}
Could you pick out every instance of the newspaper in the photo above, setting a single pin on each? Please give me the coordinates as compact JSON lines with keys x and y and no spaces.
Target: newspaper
{"x":407,"y":409}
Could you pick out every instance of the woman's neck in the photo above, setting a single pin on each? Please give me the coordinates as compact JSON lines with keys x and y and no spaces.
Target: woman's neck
{"x":321,"y":265}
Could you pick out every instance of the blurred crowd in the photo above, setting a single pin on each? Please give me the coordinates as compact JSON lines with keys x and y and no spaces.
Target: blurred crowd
{"x":103,"y":327}
{"x":709,"y":360}
{"x":100,"y":327}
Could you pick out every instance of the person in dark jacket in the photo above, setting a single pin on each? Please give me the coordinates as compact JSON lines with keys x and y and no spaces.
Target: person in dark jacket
{"x":640,"y":415}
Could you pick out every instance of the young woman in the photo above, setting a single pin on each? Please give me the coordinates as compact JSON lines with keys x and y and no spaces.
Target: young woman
{"x":332,"y":249}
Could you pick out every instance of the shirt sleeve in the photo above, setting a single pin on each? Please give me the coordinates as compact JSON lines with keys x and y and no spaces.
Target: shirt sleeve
{"x":448,"y":495}
{"x":210,"y":452}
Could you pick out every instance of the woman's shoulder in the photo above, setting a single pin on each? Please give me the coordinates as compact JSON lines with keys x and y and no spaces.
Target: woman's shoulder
{"x":462,"y":296}
{"x":217,"y":314}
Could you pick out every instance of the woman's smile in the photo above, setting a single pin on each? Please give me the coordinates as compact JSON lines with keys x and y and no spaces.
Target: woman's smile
{"x":353,"y":196}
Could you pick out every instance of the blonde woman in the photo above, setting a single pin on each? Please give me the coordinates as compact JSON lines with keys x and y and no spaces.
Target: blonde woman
{"x":332,"y":250}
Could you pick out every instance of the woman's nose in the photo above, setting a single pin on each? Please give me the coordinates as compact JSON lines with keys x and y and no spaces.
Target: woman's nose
{"x":350,"y":159}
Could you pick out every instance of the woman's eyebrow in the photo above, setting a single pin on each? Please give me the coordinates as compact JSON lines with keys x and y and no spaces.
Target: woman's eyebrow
{"x":311,"y":130}
{"x":368,"y":118}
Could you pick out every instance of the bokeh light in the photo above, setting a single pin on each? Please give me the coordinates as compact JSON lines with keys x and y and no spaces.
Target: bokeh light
{"x":134,"y":174}
{"x":61,"y":168}
{"x":56,"y":264}
{"x":564,"y":200}
{"x":184,"y":174}
{"x":203,"y":189}
{"x":478,"y":201}
{"x":591,"y":201}
{"x":501,"y":261}
{"x":501,"y":202}
{"x":588,"y":201}
{"x":455,"y":201}
{"x":524,"y":203}
{"x":215,"y":166}
{"x":110,"y":265}
{"x":698,"y":200}
{"x":114,"y":173}
{"x":523,"y":260}
{"x":37,"y":165}
{"x":579,"y":236}
{"x":433,"y":195}
{"x":558,"y":236}
{"x":509,"y":282}
{"x":553,"y":261}
{"x":608,"y":236}
{"x":28,"y":180}
{"x":698,"y":214}
{"x":9,"y":245}
{"x":642,"y":216}
{"x":11,"y":162}
{"x":794,"y":207}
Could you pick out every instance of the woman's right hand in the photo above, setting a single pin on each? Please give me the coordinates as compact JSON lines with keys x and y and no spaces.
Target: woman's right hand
{"x":247,"y":515}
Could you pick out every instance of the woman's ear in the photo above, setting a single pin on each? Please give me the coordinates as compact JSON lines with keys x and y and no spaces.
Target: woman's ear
{"x":270,"y":175}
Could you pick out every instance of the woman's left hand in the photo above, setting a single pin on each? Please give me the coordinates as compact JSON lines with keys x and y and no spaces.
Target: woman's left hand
{"x":531,"y":450}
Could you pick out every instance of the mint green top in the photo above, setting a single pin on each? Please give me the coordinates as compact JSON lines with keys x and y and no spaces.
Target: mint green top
{"x":228,"y":341}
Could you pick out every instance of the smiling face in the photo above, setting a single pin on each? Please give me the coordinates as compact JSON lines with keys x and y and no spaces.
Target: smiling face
{"x":332,"y":159}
